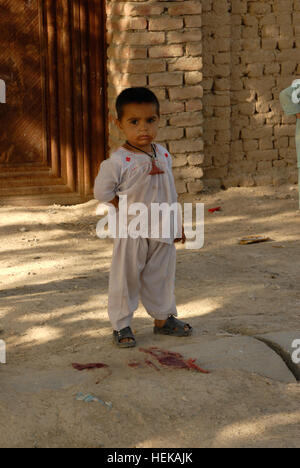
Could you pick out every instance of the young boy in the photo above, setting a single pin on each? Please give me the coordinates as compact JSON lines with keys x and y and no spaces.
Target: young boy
{"x":142,"y":171}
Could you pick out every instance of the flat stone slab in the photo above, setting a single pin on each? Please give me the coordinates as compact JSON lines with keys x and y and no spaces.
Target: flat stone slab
{"x":287,"y":344}
{"x":238,"y":352}
{"x":32,"y":381}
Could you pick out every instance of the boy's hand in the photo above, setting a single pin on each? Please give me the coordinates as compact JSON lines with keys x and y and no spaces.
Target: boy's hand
{"x":115,"y":201}
{"x":182,"y":239}
{"x":298,"y":116}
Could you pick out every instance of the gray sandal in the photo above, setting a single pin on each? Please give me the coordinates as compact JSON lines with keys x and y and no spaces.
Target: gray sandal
{"x":121,"y":334}
{"x":174,"y":327}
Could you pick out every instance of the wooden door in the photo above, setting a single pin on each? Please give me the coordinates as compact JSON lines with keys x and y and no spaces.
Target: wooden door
{"x":52,"y":126}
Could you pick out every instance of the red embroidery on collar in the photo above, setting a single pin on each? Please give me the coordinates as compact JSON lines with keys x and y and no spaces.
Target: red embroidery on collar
{"x":128,"y":158}
{"x":166,"y":154}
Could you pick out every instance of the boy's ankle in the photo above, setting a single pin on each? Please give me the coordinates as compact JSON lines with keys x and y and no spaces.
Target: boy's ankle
{"x":159,"y":323}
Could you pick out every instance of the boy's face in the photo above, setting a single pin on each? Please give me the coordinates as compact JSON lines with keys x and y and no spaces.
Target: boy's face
{"x":139,"y":123}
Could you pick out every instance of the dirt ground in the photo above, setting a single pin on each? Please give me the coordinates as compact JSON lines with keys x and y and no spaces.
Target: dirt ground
{"x":53,"y":292}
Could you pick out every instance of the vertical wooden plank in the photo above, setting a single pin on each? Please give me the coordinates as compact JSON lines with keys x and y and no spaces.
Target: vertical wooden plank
{"x":92,"y":35}
{"x":68,"y":84}
{"x":43,"y":54}
{"x":97,"y":89}
{"x":85,"y":47}
{"x":77,"y":86}
{"x":51,"y":83}
{"x":105,"y":112}
{"x":60,"y":87}
{"x":65,"y":94}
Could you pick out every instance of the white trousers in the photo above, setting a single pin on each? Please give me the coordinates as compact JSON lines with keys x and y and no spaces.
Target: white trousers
{"x":141,"y":267}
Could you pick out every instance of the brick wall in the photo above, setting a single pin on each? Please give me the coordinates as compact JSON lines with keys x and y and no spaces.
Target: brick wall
{"x":250,"y":53}
{"x":236,"y":131}
{"x":158,"y":44}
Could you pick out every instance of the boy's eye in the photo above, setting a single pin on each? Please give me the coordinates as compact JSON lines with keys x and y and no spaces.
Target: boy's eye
{"x":151,"y":120}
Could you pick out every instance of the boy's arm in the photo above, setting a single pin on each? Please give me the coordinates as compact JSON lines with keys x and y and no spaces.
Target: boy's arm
{"x":107,"y":182}
{"x":182,"y":238}
{"x":288,"y":106}
{"x":115,"y":201}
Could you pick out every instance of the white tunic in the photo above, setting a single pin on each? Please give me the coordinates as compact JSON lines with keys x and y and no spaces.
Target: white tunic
{"x":127,"y":173}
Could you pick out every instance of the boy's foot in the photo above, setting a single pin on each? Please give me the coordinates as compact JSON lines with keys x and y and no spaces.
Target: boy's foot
{"x":172,"y":326}
{"x":124,"y":338}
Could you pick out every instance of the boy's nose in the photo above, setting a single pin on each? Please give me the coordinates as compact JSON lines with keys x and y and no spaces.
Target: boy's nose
{"x":144,"y":126}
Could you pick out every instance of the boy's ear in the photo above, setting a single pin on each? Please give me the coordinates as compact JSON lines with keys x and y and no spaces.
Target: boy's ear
{"x":118,"y":123}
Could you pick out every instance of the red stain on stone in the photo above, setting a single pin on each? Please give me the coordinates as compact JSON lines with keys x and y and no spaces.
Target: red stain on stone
{"x":212,"y":210}
{"x":81,"y":367}
{"x":175,"y":360}
{"x":134,"y":364}
{"x":151,"y":364}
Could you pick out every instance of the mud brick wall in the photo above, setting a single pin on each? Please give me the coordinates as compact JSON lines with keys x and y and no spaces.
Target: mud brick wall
{"x":250,"y":53}
{"x":158,"y":44}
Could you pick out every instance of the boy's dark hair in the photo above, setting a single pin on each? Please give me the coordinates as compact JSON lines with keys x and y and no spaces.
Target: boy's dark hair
{"x":137,"y":95}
